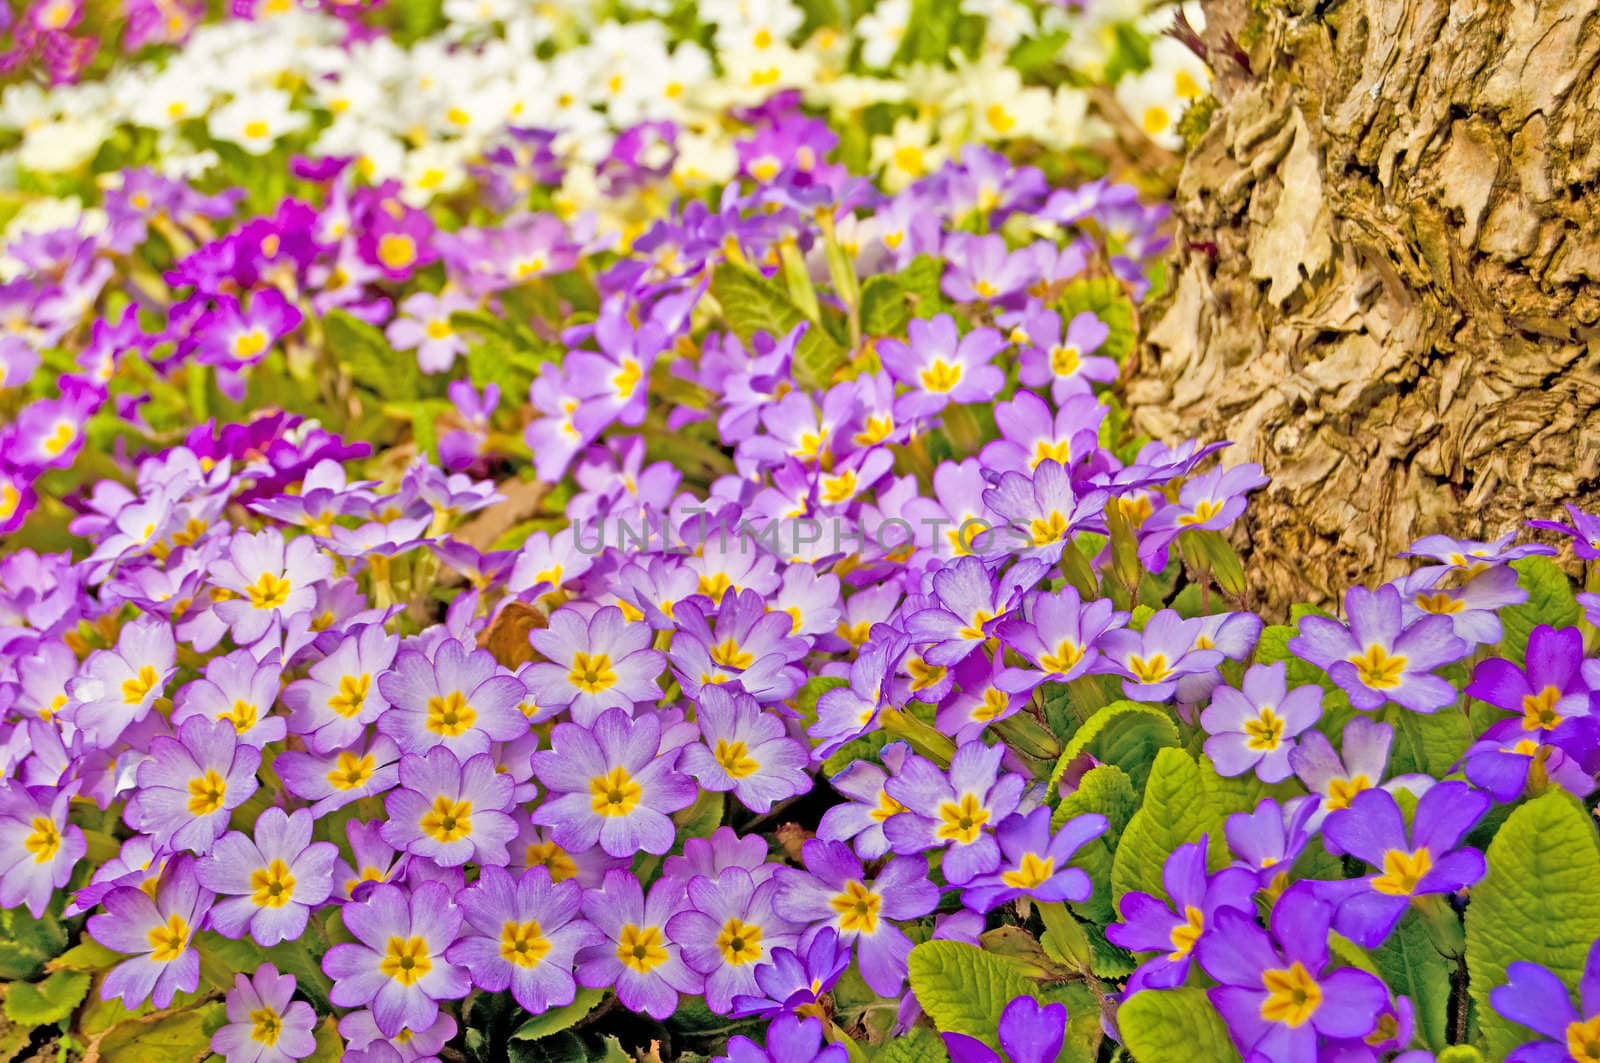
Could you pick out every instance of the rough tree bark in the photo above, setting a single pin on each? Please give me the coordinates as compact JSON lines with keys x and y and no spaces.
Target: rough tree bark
{"x":1388,"y":279}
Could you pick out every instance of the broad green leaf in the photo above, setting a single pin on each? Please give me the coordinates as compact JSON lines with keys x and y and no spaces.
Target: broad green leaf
{"x":700,"y":819}
{"x":365,"y":352}
{"x":1411,"y":966}
{"x":330,"y":1046}
{"x":1174,"y":1026}
{"x":805,"y":702}
{"x":26,"y":943}
{"x":557,"y":1019}
{"x":1550,"y":601}
{"x":222,"y":958}
{"x":1460,"y":1054}
{"x":964,"y":989}
{"x":919,"y":1045}
{"x":1429,"y":744}
{"x":1107,"y":299}
{"x":1105,"y":789}
{"x":1539,"y":902}
{"x":753,"y":304}
{"x":180,"y":1035}
{"x":46,"y":1002}
{"x":884,"y":306}
{"x":1125,"y":733}
{"x":1082,"y":1042}
{"x":1182,"y":801}
{"x":865,"y":747}
{"x":87,"y":955}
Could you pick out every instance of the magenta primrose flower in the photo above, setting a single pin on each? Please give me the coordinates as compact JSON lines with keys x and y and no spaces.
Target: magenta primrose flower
{"x":1376,"y":658}
{"x":190,"y":785}
{"x":635,"y":957}
{"x":612,"y":785}
{"x":1277,"y":992}
{"x":834,"y":891}
{"x":265,"y":1023}
{"x":1029,"y":1032}
{"x":155,"y":930}
{"x":591,"y":665}
{"x":790,"y":1039}
{"x":523,"y":933}
{"x":449,"y":811}
{"x":746,"y":750}
{"x":268,"y":882}
{"x":1537,"y":999}
{"x":398,"y":964}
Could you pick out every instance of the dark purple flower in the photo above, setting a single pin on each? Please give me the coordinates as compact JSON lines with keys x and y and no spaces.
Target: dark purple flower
{"x":1029,"y":1032}
{"x":1378,"y":658}
{"x":1537,"y":999}
{"x":1170,"y":928}
{"x":1034,"y":861}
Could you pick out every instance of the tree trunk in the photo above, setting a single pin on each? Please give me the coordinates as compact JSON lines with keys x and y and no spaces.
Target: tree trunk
{"x":1387,"y":288}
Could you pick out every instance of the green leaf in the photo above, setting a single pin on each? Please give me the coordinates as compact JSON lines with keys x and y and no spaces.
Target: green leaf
{"x":1550,"y":601}
{"x":805,"y":702}
{"x":1105,"y":789}
{"x":753,"y":304}
{"x":1125,"y":733}
{"x":1539,"y":902}
{"x":703,"y":817}
{"x":884,"y":309}
{"x":557,"y":1019}
{"x":330,"y":1046}
{"x":1106,"y":299}
{"x":1429,"y":744}
{"x":1182,"y":801}
{"x":180,"y":1035}
{"x":87,"y":955}
{"x":964,"y":989}
{"x":1410,"y":965}
{"x":26,"y":943}
{"x":1082,"y":1042}
{"x":1460,"y":1054}
{"x":365,"y":352}
{"x":563,"y":1047}
{"x":1174,"y":1026}
{"x":47,"y":1002}
{"x":920,"y":1045}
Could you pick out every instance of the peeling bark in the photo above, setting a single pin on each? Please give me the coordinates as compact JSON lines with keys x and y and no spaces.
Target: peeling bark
{"x":1388,"y":285}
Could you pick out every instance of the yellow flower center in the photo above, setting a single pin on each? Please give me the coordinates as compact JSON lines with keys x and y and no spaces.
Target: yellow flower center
{"x":1000,"y":119}
{"x":1377,"y":669}
{"x":1583,"y":1039}
{"x":168,"y":941}
{"x":1046,"y":530}
{"x":256,"y":129}
{"x":135,"y":689}
{"x":551,"y":856}
{"x":1186,"y":933}
{"x":735,"y":759}
{"x":44,"y":840}
{"x":974,"y":632}
{"x":1292,"y":995}
{"x":615,"y":793}
{"x":1441,"y":602}
{"x":249,"y":344}
{"x":592,"y":675}
{"x":1402,"y":871}
{"x":887,"y":806}
{"x":447,"y":820}
{"x":523,"y":944}
{"x":1064,"y":360}
{"x":1265,"y":731}
{"x":242,"y":715}
{"x":857,"y":907}
{"x":839,"y":489}
{"x":206,"y":793}
{"x":1155,"y":119}
{"x":450,"y":715}
{"x":1342,"y":791}
{"x":272,"y":886}
{"x":351,"y":771}
{"x":1064,"y":659}
{"x":269,"y":592}
{"x":728,"y":654}
{"x":1059,"y":452}
{"x":739,"y":942}
{"x":352,"y":694}
{"x":941,"y":377}
{"x":626,"y":382}
{"x":924,"y":675}
{"x":1033,"y":872}
{"x":266,"y":1026}
{"x":641,"y":948}
{"x":1539,"y":710}
{"x":397,"y":250}
{"x":1204,"y":511}
{"x":962,"y":821}
{"x":406,"y":960}
{"x":57,"y":442}
{"x":995,"y":701}
{"x":1151,"y":670}
{"x":714,"y":586}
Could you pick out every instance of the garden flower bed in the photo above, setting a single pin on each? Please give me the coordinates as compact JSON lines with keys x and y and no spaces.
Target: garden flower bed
{"x":608,"y":532}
